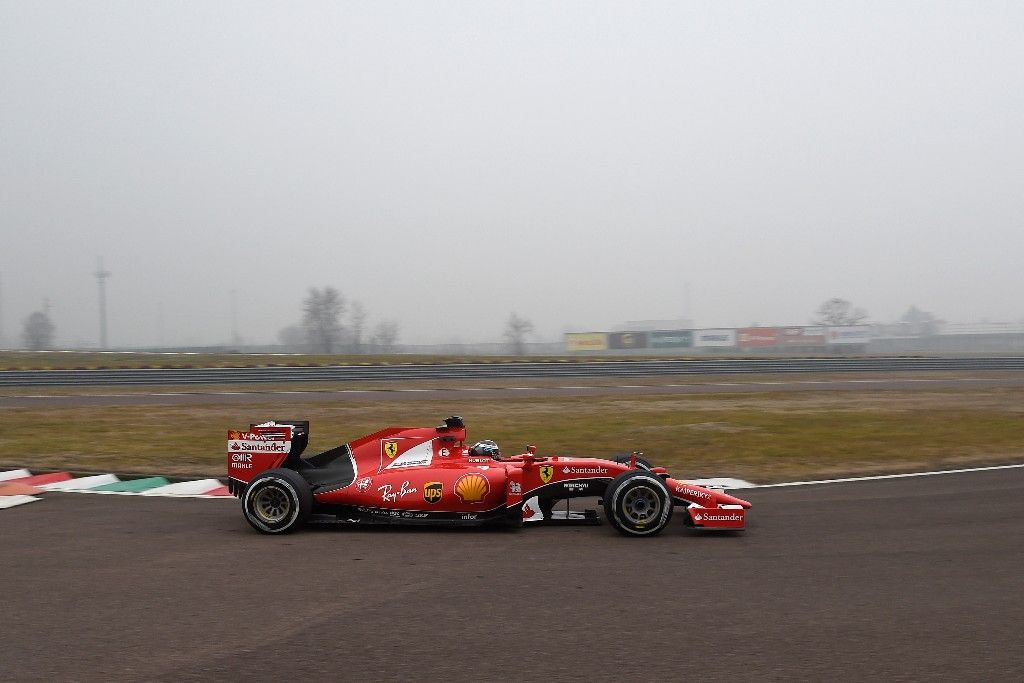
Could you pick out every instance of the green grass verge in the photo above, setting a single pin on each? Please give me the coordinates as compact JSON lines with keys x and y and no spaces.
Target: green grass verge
{"x":762,"y":437}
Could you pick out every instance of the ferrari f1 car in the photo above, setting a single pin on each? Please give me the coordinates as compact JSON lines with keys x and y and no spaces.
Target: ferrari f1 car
{"x":428,"y":475}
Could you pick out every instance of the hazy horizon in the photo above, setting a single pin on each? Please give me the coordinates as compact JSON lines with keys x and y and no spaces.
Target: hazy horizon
{"x":582,"y":164}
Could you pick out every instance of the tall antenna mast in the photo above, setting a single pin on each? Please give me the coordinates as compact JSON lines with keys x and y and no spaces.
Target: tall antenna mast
{"x":101,"y":279}
{"x":686,"y":299}
{"x":1,"y":314}
{"x":236,"y":340}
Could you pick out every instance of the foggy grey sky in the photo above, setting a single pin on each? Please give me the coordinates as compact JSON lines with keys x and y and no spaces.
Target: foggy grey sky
{"x":446,"y":163}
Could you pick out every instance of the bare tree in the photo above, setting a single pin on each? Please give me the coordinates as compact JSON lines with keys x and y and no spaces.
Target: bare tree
{"x":38,"y":331}
{"x":920,"y":322}
{"x":385,"y":336}
{"x":516,"y":331}
{"x":293,"y":337}
{"x":357,"y":323}
{"x":321,"y":320}
{"x":837,"y":312}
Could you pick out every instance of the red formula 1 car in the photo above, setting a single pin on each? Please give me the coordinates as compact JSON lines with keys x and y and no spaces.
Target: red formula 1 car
{"x":428,"y":475}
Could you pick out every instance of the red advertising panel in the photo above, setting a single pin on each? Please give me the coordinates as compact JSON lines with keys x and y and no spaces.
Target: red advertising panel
{"x":802,"y":336}
{"x":751,"y":337}
{"x":717,"y":518}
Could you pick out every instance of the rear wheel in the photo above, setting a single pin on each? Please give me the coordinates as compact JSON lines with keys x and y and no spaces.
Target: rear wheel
{"x":277,"y":502}
{"x":637,"y":503}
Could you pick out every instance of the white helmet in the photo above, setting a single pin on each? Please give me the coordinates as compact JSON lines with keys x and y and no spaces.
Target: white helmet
{"x":486,"y":449}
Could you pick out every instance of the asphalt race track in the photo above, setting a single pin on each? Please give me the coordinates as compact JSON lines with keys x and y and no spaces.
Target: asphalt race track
{"x":903,"y":579}
{"x":461,"y":393}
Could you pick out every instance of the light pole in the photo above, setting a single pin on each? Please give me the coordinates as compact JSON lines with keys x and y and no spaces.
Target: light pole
{"x":101,"y":278}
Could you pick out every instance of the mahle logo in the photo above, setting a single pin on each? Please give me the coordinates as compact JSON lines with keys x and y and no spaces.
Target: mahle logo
{"x":546,"y":472}
{"x":391,"y":448}
{"x":432,"y":491}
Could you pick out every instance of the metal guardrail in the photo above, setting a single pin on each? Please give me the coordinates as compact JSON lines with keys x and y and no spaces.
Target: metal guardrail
{"x":568,"y":369}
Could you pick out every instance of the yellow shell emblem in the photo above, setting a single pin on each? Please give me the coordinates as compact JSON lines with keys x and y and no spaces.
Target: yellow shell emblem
{"x":472,"y":488}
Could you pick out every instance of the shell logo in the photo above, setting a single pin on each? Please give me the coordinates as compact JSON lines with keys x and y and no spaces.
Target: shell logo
{"x":472,"y":488}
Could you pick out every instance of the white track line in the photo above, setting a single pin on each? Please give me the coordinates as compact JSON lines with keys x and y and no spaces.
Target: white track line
{"x":417,"y":390}
{"x":887,"y":476}
{"x":142,"y":493}
{"x":726,"y":483}
{"x":197,"y":489}
{"x":11,"y":501}
{"x":184,"y":488}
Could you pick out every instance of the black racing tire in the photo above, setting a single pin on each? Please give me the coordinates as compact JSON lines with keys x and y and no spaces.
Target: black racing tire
{"x":637,"y":503}
{"x":277,"y":502}
{"x":641,"y":463}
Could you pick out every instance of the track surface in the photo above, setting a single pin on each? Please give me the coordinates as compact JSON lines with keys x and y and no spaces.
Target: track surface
{"x":907,"y":579}
{"x":461,"y":393}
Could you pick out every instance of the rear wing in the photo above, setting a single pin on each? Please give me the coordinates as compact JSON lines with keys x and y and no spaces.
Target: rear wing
{"x":300,"y":433}
{"x":263,"y":447}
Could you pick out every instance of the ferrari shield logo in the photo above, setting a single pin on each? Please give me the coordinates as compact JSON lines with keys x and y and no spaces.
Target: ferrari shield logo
{"x":432,"y":491}
{"x":391,"y":448}
{"x":545,"y":473}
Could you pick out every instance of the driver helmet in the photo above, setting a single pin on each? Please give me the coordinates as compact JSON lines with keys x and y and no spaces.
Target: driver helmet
{"x":486,"y":449}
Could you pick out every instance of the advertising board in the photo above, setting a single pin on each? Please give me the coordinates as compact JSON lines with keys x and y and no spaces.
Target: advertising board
{"x":849,"y":334}
{"x":627,"y":340}
{"x":802,"y":336}
{"x":670,"y":339}
{"x":586,"y":341}
{"x":714,"y":338}
{"x":753,"y":337}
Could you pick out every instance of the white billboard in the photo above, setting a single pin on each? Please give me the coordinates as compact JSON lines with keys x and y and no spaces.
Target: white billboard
{"x":849,"y":334}
{"x":720,"y":337}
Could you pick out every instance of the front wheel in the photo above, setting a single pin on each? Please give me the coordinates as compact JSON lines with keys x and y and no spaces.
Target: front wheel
{"x":277,"y":502}
{"x":637,"y":503}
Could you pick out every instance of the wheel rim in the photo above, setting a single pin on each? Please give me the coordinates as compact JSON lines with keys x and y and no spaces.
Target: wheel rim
{"x":272,"y":504}
{"x":641,"y":505}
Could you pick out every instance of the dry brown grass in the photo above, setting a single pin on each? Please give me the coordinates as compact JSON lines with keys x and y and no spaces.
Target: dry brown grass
{"x":762,"y":437}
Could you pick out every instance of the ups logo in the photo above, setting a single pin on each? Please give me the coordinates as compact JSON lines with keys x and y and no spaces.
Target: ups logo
{"x":546,"y":472}
{"x":432,"y":491}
